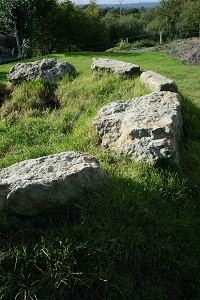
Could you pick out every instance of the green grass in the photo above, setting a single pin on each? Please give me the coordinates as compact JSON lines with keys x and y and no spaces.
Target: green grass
{"x":171,"y":67}
{"x":138,"y":239}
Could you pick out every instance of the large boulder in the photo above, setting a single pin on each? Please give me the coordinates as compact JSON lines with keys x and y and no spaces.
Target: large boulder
{"x":47,"y":69}
{"x":115,"y":66}
{"x":145,"y":128}
{"x":157,"y":82}
{"x":37,"y":186}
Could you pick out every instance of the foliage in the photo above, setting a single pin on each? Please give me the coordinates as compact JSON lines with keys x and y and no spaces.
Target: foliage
{"x":144,"y":43}
{"x":52,"y":26}
{"x":190,"y":16}
{"x":20,"y":13}
{"x":125,"y":26}
{"x":62,"y":27}
{"x":66,"y":34}
{"x":178,"y":16}
{"x":95,"y":32}
{"x":123,"y":45}
{"x":46,"y":15}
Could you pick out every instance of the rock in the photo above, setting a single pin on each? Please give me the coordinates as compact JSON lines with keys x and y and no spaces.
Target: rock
{"x":47,"y":69}
{"x":40,"y":185}
{"x":145,"y":128}
{"x":156,"y":82}
{"x":115,"y":66}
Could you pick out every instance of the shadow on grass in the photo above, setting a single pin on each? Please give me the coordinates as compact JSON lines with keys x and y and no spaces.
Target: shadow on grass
{"x":103,"y":54}
{"x":3,"y":76}
{"x":190,"y":152}
{"x":4,"y":92}
{"x":191,"y":119}
{"x":131,"y":242}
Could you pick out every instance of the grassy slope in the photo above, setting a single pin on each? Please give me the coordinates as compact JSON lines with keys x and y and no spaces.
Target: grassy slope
{"x":171,"y":67}
{"x":163,"y":64}
{"x":141,"y":238}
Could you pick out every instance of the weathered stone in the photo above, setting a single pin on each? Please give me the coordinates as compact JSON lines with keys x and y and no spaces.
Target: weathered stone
{"x":115,"y":66}
{"x":40,"y":185}
{"x":47,"y":69}
{"x":156,"y":82}
{"x":145,"y":128}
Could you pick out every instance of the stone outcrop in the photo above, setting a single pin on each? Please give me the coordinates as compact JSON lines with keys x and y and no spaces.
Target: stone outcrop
{"x":37,"y":186}
{"x":157,"y":83}
{"x":145,"y":128}
{"x":115,"y":66}
{"x":47,"y":69}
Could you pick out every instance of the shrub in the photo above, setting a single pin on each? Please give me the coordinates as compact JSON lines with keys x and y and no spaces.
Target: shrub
{"x":144,"y":43}
{"x":123,"y":45}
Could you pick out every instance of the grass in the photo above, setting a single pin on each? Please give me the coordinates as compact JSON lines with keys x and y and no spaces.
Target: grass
{"x":138,"y":239}
{"x":171,"y":67}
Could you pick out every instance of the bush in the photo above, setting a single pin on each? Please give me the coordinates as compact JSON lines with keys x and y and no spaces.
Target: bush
{"x":123,"y":45}
{"x":144,"y":43}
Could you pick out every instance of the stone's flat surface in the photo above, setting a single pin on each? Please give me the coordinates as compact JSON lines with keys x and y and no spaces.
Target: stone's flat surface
{"x":46,"y":69}
{"x":156,"y":82}
{"x":145,"y":128}
{"x":37,"y":186}
{"x":115,"y":66}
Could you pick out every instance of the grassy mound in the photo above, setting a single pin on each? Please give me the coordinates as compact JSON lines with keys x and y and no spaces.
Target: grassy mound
{"x":139,"y":238}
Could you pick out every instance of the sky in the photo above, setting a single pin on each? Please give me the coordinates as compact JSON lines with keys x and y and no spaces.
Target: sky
{"x":112,"y":1}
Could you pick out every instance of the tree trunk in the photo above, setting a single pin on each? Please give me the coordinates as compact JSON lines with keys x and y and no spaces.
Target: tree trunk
{"x":17,"y":40}
{"x":161,"y":40}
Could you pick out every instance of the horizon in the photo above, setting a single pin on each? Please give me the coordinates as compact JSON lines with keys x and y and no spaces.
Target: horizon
{"x":82,"y":2}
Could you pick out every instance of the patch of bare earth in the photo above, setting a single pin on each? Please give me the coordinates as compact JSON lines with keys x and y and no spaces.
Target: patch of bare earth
{"x":188,"y":51}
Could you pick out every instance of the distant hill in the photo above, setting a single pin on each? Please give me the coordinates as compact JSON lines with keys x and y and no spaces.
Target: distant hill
{"x":130,"y":5}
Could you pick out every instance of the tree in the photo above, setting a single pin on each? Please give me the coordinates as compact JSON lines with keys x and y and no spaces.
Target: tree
{"x":156,"y":24}
{"x":19,"y":12}
{"x":190,"y":17}
{"x":182,"y":17}
{"x":131,"y":11}
{"x":96,"y":36}
{"x":127,"y":26}
{"x":46,"y":16}
{"x":70,"y":26}
{"x":170,"y":11}
{"x":17,"y":17}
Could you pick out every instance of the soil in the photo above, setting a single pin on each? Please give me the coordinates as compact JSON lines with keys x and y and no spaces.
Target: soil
{"x":188,"y":51}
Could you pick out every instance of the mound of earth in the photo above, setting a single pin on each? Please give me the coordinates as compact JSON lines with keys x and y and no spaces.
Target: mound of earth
{"x":188,"y":51}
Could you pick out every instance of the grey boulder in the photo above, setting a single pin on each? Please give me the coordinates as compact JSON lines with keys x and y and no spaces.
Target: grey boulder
{"x":47,"y":69}
{"x":115,"y":66}
{"x":157,"y":82}
{"x":146,"y":128}
{"x":40,"y":185}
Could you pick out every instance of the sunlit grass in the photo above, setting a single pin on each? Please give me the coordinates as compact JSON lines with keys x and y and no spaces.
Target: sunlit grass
{"x":38,"y":114}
